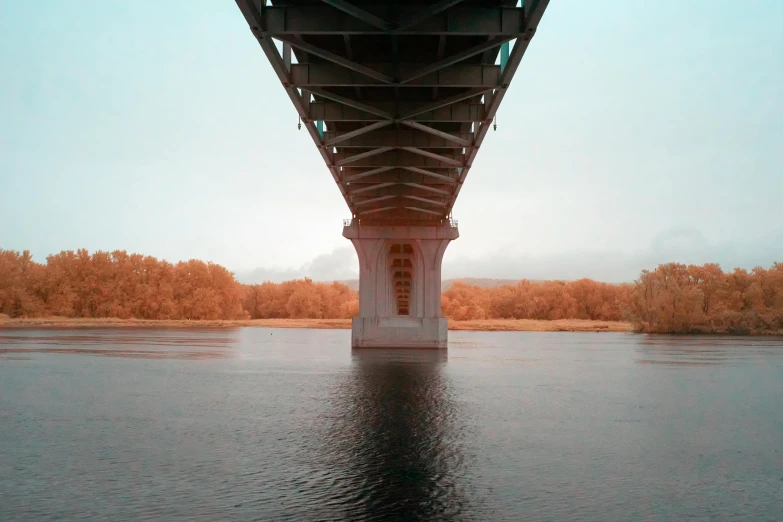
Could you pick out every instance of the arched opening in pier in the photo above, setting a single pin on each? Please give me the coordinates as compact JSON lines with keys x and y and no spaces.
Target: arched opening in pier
{"x":401,"y":266}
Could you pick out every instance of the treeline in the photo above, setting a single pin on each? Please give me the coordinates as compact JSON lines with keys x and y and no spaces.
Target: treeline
{"x":548,"y":300}
{"x":116,"y":284}
{"x":300,"y":299}
{"x":122,"y":285}
{"x":673,"y":298}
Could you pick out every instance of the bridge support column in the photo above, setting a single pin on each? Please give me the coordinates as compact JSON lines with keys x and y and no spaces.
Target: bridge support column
{"x":399,"y":285}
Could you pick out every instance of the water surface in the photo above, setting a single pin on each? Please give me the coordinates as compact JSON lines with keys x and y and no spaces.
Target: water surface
{"x":268,"y":424}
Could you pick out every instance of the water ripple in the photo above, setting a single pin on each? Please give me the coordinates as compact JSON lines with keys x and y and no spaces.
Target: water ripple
{"x":296,"y":426}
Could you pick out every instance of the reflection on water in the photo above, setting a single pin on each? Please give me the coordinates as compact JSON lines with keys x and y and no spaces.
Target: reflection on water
{"x":258,"y":424}
{"x":155,"y":344}
{"x":679,"y":350}
{"x":135,"y":354}
{"x":399,"y":436}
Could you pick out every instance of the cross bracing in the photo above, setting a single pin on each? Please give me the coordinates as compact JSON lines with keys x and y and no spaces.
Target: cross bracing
{"x":398,"y":96}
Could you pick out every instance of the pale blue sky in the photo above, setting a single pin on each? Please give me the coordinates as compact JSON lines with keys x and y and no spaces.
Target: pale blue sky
{"x":634,"y":133}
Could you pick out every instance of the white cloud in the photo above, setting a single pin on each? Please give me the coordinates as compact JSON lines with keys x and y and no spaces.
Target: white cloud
{"x":340,"y":264}
{"x":681,"y":245}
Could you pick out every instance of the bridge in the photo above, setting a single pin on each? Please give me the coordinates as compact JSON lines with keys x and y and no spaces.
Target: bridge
{"x":398,"y":97}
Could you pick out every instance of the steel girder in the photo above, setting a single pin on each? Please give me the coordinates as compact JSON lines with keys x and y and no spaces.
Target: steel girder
{"x":397,"y":96}
{"x":294,"y":18}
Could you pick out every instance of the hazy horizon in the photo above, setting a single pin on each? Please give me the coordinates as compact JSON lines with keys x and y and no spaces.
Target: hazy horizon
{"x":621,"y":144}
{"x":612,"y":267}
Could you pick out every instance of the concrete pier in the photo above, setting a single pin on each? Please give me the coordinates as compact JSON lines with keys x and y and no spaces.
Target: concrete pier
{"x":400,"y":284}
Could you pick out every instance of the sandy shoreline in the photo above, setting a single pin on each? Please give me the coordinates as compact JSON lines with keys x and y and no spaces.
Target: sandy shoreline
{"x":533,"y":325}
{"x":489,"y":325}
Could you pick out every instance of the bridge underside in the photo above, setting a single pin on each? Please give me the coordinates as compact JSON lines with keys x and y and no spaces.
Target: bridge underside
{"x":398,"y":97}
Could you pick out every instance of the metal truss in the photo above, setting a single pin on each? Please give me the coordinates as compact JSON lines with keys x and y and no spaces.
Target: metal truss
{"x":397,"y":96}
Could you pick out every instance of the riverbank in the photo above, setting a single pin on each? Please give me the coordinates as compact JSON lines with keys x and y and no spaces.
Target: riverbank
{"x":532,"y":325}
{"x":489,"y":325}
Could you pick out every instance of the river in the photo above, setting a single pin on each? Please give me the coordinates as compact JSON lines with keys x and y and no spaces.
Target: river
{"x":274,"y":424}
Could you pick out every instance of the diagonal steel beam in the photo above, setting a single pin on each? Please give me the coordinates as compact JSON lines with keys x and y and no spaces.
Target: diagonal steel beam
{"x":359,"y":13}
{"x":434,"y":213}
{"x":428,"y":154}
{"x":335,"y":58}
{"x":436,"y":132}
{"x":357,"y":132}
{"x":255,"y":19}
{"x":398,"y":158}
{"x":457,"y":57}
{"x":427,"y":187}
{"x":423,"y":172}
{"x":534,"y":11}
{"x":327,"y":74}
{"x":374,"y":200}
{"x":398,"y":138}
{"x":446,"y":101}
{"x":427,"y":12}
{"x":351,"y":103}
{"x":373,"y":211}
{"x":357,"y":157}
{"x":371,"y":188}
{"x":361,"y":175}
{"x":426,"y":200}
{"x":457,"y":112}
